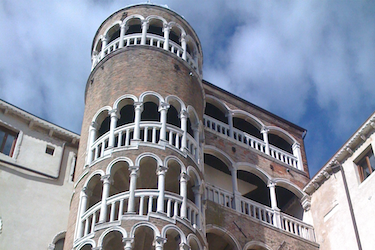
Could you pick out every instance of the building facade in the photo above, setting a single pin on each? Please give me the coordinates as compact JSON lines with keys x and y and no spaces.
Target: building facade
{"x":342,"y":194}
{"x":37,"y":164}
{"x":167,"y":160}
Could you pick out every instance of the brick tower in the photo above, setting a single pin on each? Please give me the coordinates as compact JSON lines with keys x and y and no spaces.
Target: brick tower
{"x":169,"y":161}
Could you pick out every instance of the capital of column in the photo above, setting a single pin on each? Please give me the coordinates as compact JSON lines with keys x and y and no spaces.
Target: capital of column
{"x":86,"y":192}
{"x":134,"y":170}
{"x":127,"y":241}
{"x":184,"y":246}
{"x":138,"y":106}
{"x":184,"y":177}
{"x":161,"y":170}
{"x":265,"y":130}
{"x":306,"y":202}
{"x":183,"y":37}
{"x":160,"y":240}
{"x":94,"y":125}
{"x":296,"y":145}
{"x":271,"y":184}
{"x":166,"y":27}
{"x":184,"y":114}
{"x":229,"y":114}
{"x":106,"y":179}
{"x":164,"y":106}
{"x":145,"y":24}
{"x":197,"y":189}
{"x":114,"y":113}
{"x":104,"y":38}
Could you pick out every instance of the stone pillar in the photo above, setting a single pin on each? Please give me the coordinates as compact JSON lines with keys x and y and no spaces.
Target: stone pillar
{"x":183,"y":192}
{"x":163,"y":109}
{"x":83,"y":206}
{"x":114,"y":117}
{"x":123,"y":29}
{"x":183,"y":45}
{"x":184,"y":246}
{"x":183,"y":118}
{"x":94,"y":59}
{"x":230,"y":124}
{"x":127,"y":243}
{"x":92,"y":136}
{"x":161,"y":188}
{"x":159,"y":242}
{"x":137,"y":119}
{"x":144,"y":32}
{"x":236,"y":195}
{"x":265,"y":139}
{"x":107,"y":181}
{"x":197,"y":198}
{"x":104,"y":45}
{"x":296,"y":147}
{"x":196,"y":138}
{"x":132,"y":186}
{"x":166,"y":30}
{"x":276,"y":210}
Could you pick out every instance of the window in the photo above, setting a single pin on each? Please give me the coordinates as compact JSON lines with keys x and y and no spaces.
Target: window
{"x":366,"y":165}
{"x":50,"y":150}
{"x":7,"y":141}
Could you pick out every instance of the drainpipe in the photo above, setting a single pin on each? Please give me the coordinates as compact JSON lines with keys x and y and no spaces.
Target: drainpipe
{"x":339,"y":166}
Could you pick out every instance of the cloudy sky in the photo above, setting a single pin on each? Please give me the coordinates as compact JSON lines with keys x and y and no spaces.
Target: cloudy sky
{"x":310,"y":62}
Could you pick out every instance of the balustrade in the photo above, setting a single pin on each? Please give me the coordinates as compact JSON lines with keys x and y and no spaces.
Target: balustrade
{"x":260,"y":212}
{"x":150,"y":133}
{"x":151,"y":40}
{"x":146,"y":203}
{"x":250,"y":141}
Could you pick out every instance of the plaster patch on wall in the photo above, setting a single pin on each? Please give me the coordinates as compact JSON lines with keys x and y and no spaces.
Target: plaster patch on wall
{"x":332,"y":211}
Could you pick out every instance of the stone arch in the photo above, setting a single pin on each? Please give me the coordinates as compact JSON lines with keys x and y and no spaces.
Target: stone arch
{"x":156,"y":25}
{"x":144,"y":224}
{"x":217,"y":109}
{"x":86,"y":245}
{"x":148,"y":154}
{"x":219,"y":154}
{"x":119,"y":229}
{"x":94,"y":187}
{"x":247,"y":123}
{"x":194,"y":242}
{"x":174,"y":236}
{"x":112,"y":33}
{"x":290,"y":186}
{"x":172,"y":176}
{"x":176,"y":32}
{"x":58,"y":241}
{"x":193,"y":121}
{"x":118,"y":103}
{"x":144,"y":235}
{"x":176,"y":106}
{"x":221,"y":236}
{"x":148,"y":165}
{"x":254,"y":170}
{"x":134,"y":24}
{"x":151,"y":96}
{"x":256,"y":245}
{"x":118,"y":169}
{"x":193,"y":182}
{"x":98,"y":46}
{"x":96,"y":172}
{"x":191,"y":48}
{"x":282,"y":133}
{"x":175,"y":101}
{"x":102,"y":120}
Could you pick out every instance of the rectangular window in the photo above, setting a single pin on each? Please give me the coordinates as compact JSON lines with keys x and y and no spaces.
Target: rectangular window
{"x":366,"y":165}
{"x":7,"y":141}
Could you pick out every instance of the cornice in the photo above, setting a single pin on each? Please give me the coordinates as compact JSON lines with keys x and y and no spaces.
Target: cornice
{"x":349,"y":147}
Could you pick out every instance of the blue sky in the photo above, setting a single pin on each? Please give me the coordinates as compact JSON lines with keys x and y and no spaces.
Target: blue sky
{"x":310,"y":62}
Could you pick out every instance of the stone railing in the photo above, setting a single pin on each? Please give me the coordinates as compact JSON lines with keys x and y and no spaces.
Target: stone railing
{"x":149,"y":133}
{"x":250,"y":141}
{"x":260,"y":212}
{"x":151,"y":40}
{"x":145,"y":204}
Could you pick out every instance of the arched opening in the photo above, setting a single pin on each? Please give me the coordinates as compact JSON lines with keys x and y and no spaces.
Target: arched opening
{"x":59,"y":245}
{"x":98,"y":47}
{"x":155,"y":26}
{"x":113,"y":241}
{"x":126,"y":112}
{"x":134,"y":26}
{"x":144,"y":238}
{"x":175,"y":34}
{"x":86,"y":247}
{"x":104,"y":124}
{"x":150,"y":112}
{"x":219,"y":241}
{"x":217,"y":172}
{"x":113,"y":33}
{"x":190,"y":128}
{"x":194,"y":244}
{"x":214,"y":112}
{"x":173,"y":240}
{"x":289,"y":203}
{"x":120,"y":176}
{"x":172,"y":177}
{"x":147,"y":174}
{"x":192,"y":187}
{"x":172,"y":117}
{"x":95,"y":189}
{"x":246,"y":127}
{"x":253,"y":187}
{"x":280,"y":143}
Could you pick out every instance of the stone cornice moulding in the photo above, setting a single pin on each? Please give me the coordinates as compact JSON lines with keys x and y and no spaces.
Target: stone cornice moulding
{"x":51,"y":128}
{"x":357,"y":139}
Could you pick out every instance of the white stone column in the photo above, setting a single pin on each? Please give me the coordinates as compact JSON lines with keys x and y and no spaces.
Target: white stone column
{"x":196,"y":138}
{"x":265,"y":139}
{"x":159,"y":242}
{"x":138,"y":108}
{"x":183,"y":118}
{"x":144,"y":31}
{"x":127,"y":243}
{"x":166,"y":30}
{"x":161,"y":188}
{"x":236,"y":194}
{"x":197,"y":198}
{"x":163,"y":109}
{"x":184,"y":246}
{"x":104,"y":45}
{"x":296,"y":147}
{"x":230,"y":124}
{"x":92,"y":136}
{"x":183,"y":45}
{"x":107,"y":181}
{"x":276,"y":210}
{"x":183,"y":192}
{"x":123,"y":29}
{"x":83,"y":206}
{"x":132,"y":186}
{"x":114,"y":117}
{"x":94,"y":59}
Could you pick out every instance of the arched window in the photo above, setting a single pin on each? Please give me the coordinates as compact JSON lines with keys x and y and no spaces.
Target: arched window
{"x":113,"y":241}
{"x":120,"y":175}
{"x":247,"y":127}
{"x":126,"y":115}
{"x":253,"y":187}
{"x":147,"y":174}
{"x":172,"y":177}
{"x":214,"y":112}
{"x":143,"y":238}
{"x":175,"y":34}
{"x":150,"y":112}
{"x":155,"y":26}
{"x":173,"y":240}
{"x":289,"y":203}
{"x":104,"y":127}
{"x":217,"y":172}
{"x":279,"y":142}
{"x":113,"y":33}
{"x":95,"y":188}
{"x":172,"y":117}
{"x":134,"y":26}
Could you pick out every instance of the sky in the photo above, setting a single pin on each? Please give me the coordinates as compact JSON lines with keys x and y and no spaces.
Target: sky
{"x":310,"y":62}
